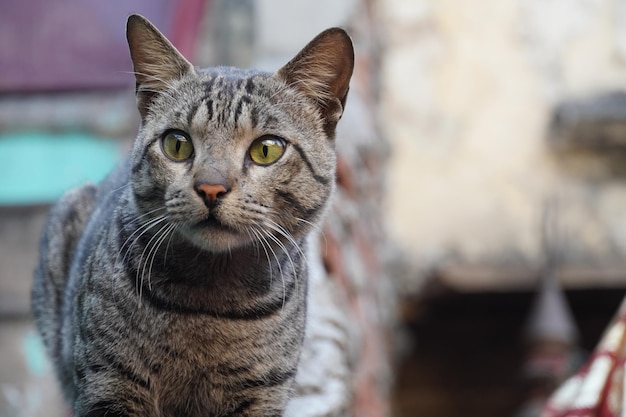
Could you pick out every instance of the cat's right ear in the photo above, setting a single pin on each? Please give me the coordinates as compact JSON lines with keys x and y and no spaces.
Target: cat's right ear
{"x":156,"y":62}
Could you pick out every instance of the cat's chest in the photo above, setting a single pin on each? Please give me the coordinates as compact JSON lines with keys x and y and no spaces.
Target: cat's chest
{"x":211,"y":363}
{"x":190,"y":393}
{"x":188,"y":382}
{"x":198,"y":383}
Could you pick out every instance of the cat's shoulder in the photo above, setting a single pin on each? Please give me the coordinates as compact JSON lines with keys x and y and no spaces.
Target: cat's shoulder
{"x":71,"y":211}
{"x":64,"y":226}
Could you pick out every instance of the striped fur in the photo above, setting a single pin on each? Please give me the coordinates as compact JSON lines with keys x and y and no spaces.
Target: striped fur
{"x":153,"y":301}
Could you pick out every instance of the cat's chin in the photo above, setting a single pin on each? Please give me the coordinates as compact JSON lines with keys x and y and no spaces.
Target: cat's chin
{"x":215,"y":237}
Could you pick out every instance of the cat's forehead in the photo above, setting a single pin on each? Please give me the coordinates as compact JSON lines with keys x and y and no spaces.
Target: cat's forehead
{"x":229,"y":73}
{"x":226,"y":102}
{"x":232,"y":81}
{"x":220,"y":102}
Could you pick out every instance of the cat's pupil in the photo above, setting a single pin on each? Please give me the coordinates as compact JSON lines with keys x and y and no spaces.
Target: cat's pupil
{"x":178,"y":145}
{"x":265,"y":150}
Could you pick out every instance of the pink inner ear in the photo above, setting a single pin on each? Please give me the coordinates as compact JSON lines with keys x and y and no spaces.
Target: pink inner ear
{"x":155,"y":59}
{"x":341,"y":62}
{"x":322,"y":70}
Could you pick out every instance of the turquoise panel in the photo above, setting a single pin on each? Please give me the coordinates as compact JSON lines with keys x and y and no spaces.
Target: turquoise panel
{"x":38,"y":167}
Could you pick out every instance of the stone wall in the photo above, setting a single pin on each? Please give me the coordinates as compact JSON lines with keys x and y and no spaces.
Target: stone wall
{"x":469,"y":94}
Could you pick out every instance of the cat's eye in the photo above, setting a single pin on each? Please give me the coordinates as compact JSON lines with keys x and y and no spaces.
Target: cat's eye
{"x":177,"y":145}
{"x":266,"y":150}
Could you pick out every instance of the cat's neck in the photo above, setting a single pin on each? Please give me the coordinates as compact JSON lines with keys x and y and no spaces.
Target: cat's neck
{"x":245,"y":282}
{"x":173,"y":270}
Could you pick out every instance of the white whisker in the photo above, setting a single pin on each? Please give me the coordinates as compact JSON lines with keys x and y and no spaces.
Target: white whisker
{"x":155,"y":249}
{"x":149,"y":77}
{"x":280,"y":268}
{"x":264,"y":245}
{"x":141,"y":230}
{"x":167,"y":247}
{"x":281,"y":230}
{"x":139,"y":276}
{"x":315,"y":227}
{"x":254,"y":241}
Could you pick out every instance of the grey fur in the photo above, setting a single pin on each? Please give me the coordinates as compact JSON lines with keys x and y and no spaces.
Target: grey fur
{"x":154,"y":301}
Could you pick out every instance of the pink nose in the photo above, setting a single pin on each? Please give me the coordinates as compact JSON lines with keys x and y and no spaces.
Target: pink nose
{"x":210,"y":192}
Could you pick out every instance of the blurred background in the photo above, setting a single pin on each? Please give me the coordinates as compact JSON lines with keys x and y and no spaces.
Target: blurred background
{"x":477,"y":241}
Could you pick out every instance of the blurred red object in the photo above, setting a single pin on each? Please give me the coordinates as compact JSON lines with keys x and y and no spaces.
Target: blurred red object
{"x":56,"y":45}
{"x":598,"y":389}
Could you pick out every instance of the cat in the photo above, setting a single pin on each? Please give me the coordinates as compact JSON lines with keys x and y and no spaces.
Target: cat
{"x":177,"y":286}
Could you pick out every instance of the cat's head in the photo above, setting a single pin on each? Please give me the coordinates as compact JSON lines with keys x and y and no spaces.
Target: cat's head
{"x":232,"y":156}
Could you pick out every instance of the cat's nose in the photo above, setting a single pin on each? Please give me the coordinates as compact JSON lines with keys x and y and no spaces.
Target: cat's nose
{"x":210,"y":192}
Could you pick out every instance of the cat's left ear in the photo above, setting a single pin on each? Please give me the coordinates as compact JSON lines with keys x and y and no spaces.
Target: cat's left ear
{"x":156,"y":61}
{"x":322,"y":71}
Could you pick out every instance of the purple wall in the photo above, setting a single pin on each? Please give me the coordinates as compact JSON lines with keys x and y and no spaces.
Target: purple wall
{"x":52,"y":45}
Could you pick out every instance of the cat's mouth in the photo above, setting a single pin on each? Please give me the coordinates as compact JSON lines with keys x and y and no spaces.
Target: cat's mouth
{"x":212,"y":223}
{"x":216,"y":236}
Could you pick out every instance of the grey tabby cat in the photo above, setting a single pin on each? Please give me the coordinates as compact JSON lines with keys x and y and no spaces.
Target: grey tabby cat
{"x":177,"y":286}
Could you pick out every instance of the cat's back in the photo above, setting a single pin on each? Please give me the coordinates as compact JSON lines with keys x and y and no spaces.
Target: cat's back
{"x":60,"y":241}
{"x":69,"y":217}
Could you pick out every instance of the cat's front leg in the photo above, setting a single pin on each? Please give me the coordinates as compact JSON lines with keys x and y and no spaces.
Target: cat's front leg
{"x":105,"y":400}
{"x":104,"y":410}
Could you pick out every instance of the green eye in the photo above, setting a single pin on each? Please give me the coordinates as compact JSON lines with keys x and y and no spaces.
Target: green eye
{"x":177,"y":145}
{"x":266,"y":150}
